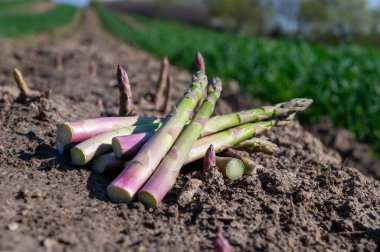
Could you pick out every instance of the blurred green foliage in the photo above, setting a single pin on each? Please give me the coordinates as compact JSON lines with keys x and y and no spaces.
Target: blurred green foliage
{"x":321,"y":20}
{"x":339,"y":18}
{"x":344,"y":81}
{"x":13,"y":24}
{"x":9,"y":5}
{"x":242,"y":15}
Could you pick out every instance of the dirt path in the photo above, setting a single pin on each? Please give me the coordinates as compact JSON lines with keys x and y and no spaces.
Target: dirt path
{"x":49,"y":205}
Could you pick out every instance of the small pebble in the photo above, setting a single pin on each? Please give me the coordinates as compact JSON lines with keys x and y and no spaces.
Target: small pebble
{"x":13,"y":226}
{"x":48,"y":243}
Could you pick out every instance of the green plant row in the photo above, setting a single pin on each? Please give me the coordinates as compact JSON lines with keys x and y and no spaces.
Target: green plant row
{"x":9,"y":5}
{"x":344,"y":81}
{"x":21,"y":24}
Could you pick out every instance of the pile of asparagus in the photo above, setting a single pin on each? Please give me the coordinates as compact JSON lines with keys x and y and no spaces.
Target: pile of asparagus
{"x":148,"y":152}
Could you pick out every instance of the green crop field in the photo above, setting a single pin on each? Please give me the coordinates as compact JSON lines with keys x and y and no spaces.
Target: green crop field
{"x":344,"y":80}
{"x":9,"y":5}
{"x":12,"y":24}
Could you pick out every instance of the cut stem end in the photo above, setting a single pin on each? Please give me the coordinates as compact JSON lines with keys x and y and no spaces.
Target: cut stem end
{"x":77,"y":156}
{"x":116,"y":146}
{"x":99,"y":165}
{"x":64,"y":133}
{"x":147,"y":199}
{"x":118,"y":194}
{"x":234,"y":169}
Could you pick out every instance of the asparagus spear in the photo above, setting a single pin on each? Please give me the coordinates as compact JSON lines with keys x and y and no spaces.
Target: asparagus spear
{"x":58,"y":62}
{"x":202,"y":144}
{"x":200,"y":62}
{"x":129,"y":145}
{"x":82,"y":153}
{"x":220,"y":123}
{"x":126,"y":107}
{"x":251,"y":166}
{"x":230,"y":137}
{"x":221,"y":244}
{"x":167,"y":172}
{"x":107,"y":162}
{"x":258,"y":145}
{"x":200,"y":66}
{"x":25,"y":91}
{"x":231,"y":168}
{"x":93,"y":69}
{"x":164,"y":72}
{"x":75,"y":132}
{"x":168,"y":93}
{"x":138,"y":171}
{"x":209,"y":159}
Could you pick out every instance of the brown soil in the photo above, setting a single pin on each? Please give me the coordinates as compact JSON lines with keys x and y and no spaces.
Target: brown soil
{"x":354,"y":154}
{"x":304,"y":199}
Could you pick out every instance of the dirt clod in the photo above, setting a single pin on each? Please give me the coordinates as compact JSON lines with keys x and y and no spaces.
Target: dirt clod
{"x":186,"y":196}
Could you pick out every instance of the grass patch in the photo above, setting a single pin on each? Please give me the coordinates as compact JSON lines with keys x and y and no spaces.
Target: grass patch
{"x":22,"y":24}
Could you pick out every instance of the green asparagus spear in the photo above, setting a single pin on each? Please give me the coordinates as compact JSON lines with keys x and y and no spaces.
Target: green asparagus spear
{"x":141,"y":167}
{"x":167,"y":172}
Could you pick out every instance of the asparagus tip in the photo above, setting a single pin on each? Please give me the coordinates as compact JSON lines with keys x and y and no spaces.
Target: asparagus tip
{"x":209,"y":159}
{"x":93,"y":68}
{"x":100,"y":103}
{"x":221,"y":244}
{"x":200,"y":63}
{"x":217,"y":83}
{"x":58,"y":62}
{"x":126,"y":103}
{"x":121,"y":75}
{"x":298,"y":104}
